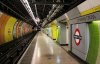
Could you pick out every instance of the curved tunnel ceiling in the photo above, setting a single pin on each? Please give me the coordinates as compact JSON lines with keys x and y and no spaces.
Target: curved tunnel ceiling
{"x":16,"y":9}
{"x":44,"y":9}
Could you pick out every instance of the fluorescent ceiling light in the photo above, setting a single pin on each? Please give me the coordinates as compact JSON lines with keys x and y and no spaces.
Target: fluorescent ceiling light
{"x":28,"y":8}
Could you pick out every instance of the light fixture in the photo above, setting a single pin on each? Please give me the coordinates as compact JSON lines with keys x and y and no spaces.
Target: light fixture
{"x":28,"y":8}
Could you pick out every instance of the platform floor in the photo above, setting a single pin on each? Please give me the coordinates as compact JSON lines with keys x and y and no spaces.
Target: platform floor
{"x":48,"y":52}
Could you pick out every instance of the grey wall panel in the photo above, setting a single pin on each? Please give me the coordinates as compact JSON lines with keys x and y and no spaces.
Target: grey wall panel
{"x":61,"y":18}
{"x":80,"y":50}
{"x":73,"y":13}
{"x":58,"y":40}
{"x":78,"y":53}
{"x":62,"y":34}
{"x":70,"y":38}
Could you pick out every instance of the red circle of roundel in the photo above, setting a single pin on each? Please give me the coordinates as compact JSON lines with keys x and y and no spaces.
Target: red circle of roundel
{"x":77,"y":32}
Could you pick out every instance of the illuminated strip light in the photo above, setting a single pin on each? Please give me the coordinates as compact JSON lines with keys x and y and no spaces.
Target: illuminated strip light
{"x":36,"y":10}
{"x":28,"y":8}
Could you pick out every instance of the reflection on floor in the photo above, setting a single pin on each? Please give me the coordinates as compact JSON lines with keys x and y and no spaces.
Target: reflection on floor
{"x":48,"y":52}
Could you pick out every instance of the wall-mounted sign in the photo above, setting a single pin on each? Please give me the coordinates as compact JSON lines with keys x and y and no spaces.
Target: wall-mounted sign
{"x":86,"y":18}
{"x":77,"y":36}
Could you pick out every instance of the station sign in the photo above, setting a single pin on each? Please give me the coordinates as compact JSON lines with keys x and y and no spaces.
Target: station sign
{"x":77,"y":37}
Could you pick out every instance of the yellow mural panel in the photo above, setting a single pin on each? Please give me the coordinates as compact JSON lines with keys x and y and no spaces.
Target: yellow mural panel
{"x":9,"y":29}
{"x":54,"y":30}
{"x":3,"y":20}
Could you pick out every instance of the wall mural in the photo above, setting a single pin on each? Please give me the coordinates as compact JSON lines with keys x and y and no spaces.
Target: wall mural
{"x":12,"y":28}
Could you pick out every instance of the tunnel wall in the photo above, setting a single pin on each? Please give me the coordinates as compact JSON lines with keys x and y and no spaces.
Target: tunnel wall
{"x":89,"y":13}
{"x":12,"y":28}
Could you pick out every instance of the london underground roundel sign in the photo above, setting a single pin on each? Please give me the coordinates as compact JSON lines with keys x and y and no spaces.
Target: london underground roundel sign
{"x":77,"y":36}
